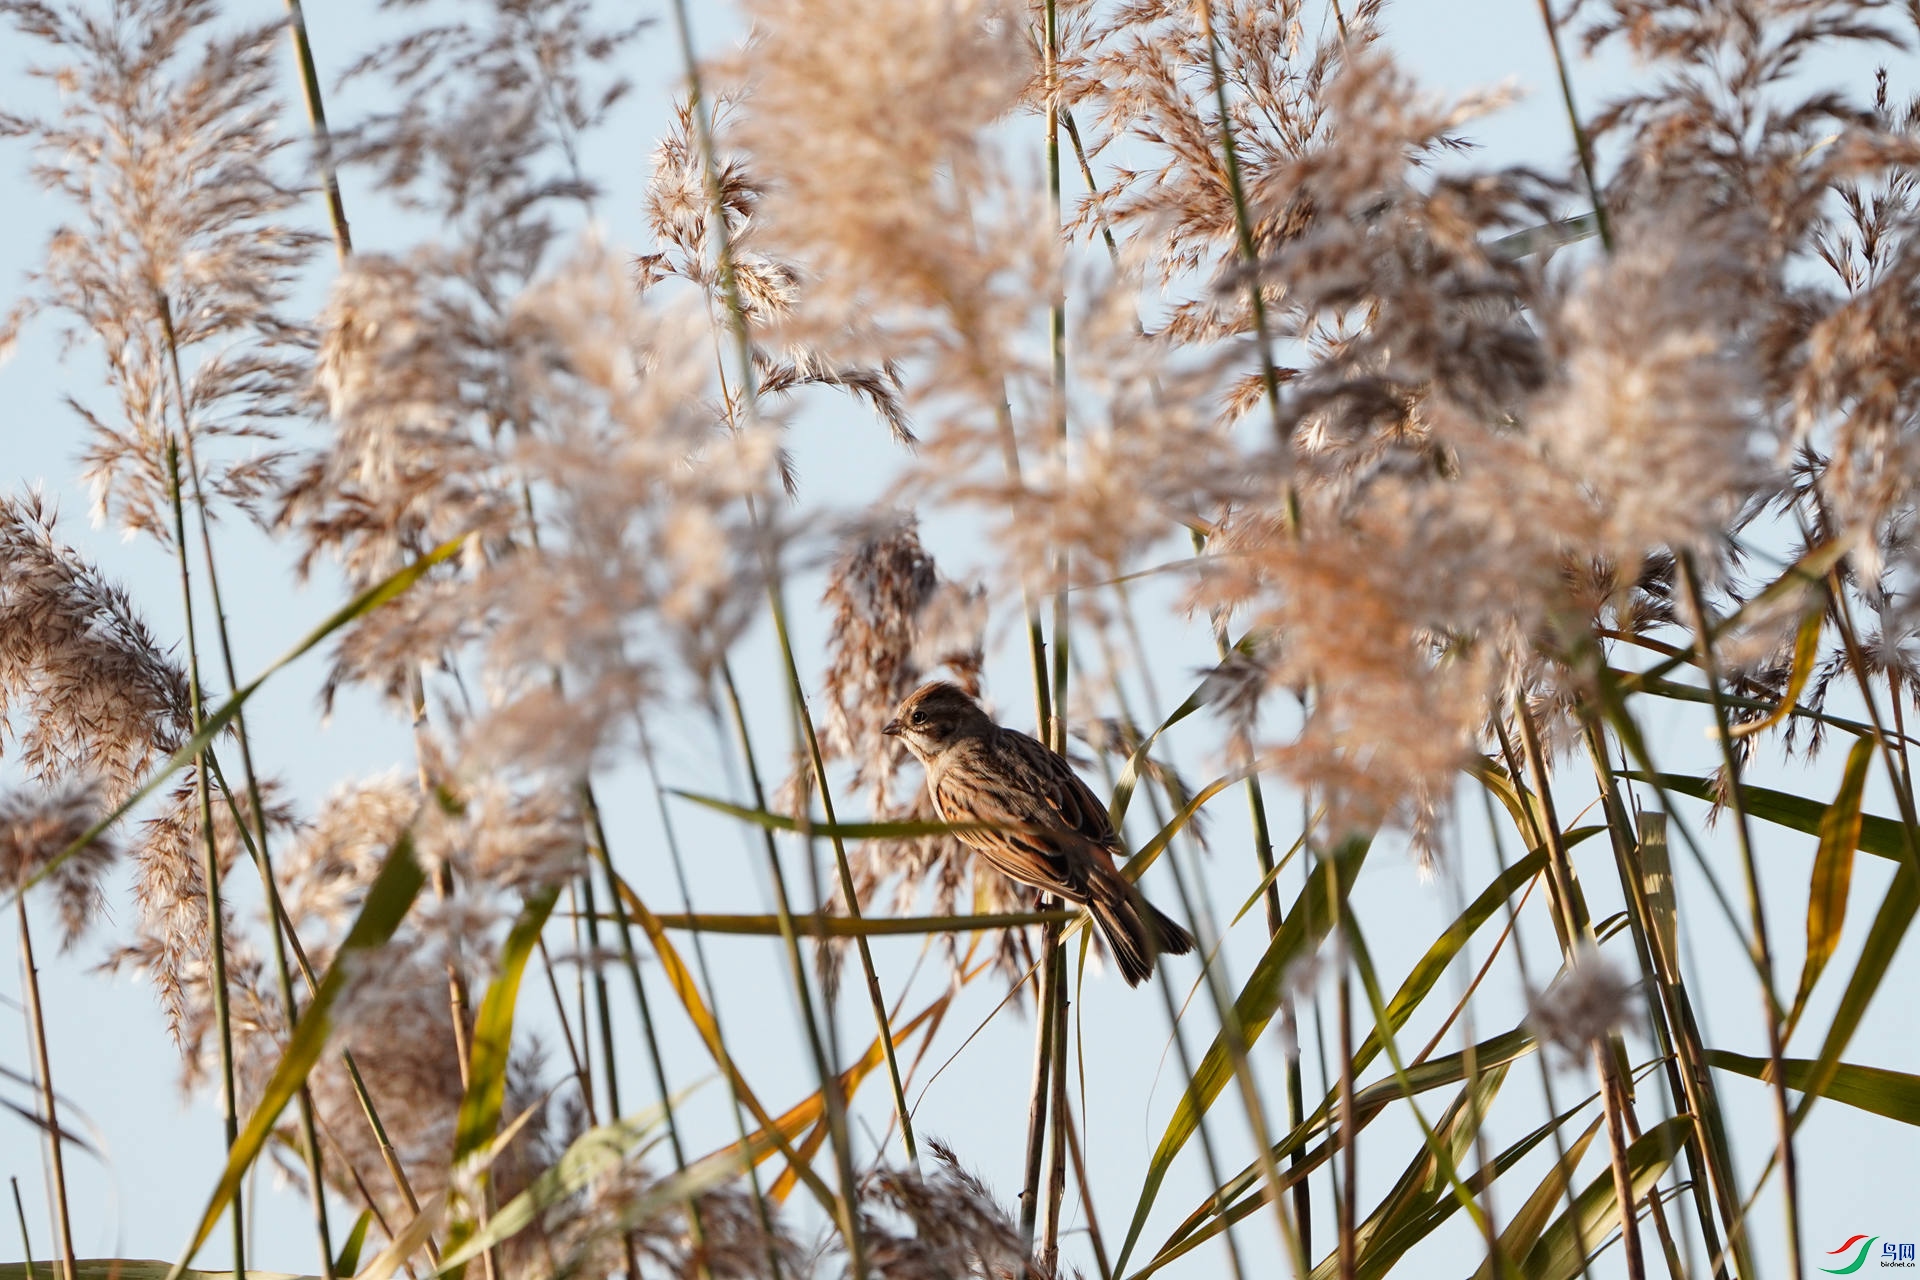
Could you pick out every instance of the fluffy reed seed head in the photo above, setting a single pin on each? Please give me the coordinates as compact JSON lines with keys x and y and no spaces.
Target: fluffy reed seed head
{"x":37,"y":826}
{"x":167,"y":147}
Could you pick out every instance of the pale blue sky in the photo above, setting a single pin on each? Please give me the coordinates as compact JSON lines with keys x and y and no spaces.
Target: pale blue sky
{"x":110,"y":1049}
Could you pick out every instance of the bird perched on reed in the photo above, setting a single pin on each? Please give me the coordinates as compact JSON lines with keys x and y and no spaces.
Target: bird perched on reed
{"x":1032,"y":818}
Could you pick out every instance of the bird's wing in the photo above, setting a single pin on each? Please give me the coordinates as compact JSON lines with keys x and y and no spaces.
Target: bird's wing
{"x":1069,"y":802}
{"x":1050,"y":826}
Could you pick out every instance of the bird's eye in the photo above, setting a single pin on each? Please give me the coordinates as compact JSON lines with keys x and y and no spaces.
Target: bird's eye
{"x":918,"y":717}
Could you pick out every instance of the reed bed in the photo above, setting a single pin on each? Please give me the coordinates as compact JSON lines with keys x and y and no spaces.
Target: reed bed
{"x":1481,"y":592}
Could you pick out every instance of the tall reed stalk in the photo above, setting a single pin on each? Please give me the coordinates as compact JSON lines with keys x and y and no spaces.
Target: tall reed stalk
{"x":48,"y":1110}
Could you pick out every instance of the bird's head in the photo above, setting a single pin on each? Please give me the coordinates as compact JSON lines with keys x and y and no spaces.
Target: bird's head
{"x":934,"y":717}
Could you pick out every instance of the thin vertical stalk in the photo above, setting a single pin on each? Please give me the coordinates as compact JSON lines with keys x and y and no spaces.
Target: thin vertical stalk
{"x":1346,"y":1206}
{"x":1349,"y":1139}
{"x":597,"y":846}
{"x":1669,"y":1036}
{"x":210,"y":869}
{"x":1761,"y":950}
{"x":1293,"y":1234}
{"x":1462,"y":964}
{"x":1233,"y":1035}
{"x":580,"y":994}
{"x":316,"y":1181}
{"x":457,"y":1002}
{"x":43,"y":1068}
{"x":1581,"y":141}
{"x":848,"y":894}
{"x":1045,"y":1006}
{"x":1242,"y":220}
{"x":737,"y":326}
{"x":1173,"y":1011}
{"x":1094,"y":1237}
{"x":1617,"y":1140}
{"x":1256,"y":799}
{"x":762,"y":1213}
{"x":26,"y":1241}
{"x":1575,"y":928}
{"x":1057,"y":1166}
{"x":343,"y":250}
{"x":830,"y":1096}
{"x":1208,"y":1155}
{"x":603,"y":1008}
{"x":1057,"y":385}
{"x":388,"y":1156}
{"x":1535,"y":839}
{"x":566,"y":1029}
{"x":322,"y":137}
{"x":1690,"y":1040}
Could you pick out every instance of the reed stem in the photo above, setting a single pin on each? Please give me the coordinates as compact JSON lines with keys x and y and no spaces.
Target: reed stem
{"x":26,"y":1241}
{"x":1062,"y":1119}
{"x":1582,"y":143}
{"x":43,"y":1069}
{"x":763,"y":1214}
{"x":210,"y":867}
{"x":263,"y":862}
{"x":322,"y":137}
{"x":1761,"y":949}
{"x":830,"y":1095}
{"x":1094,"y":1238}
{"x":1046,"y":1005}
{"x":736,"y":312}
{"x":598,"y":848}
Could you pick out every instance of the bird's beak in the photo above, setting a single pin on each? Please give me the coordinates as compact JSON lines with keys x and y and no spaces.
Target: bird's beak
{"x":893,"y":729}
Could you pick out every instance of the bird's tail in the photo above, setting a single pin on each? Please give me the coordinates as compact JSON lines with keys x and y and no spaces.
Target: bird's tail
{"x":1135,"y":929}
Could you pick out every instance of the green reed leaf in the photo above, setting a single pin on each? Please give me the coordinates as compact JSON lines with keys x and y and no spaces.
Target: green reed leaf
{"x":1893,"y":1094}
{"x":493,"y":1029}
{"x":1423,"y":1184}
{"x":1879,"y":836}
{"x":1518,"y":1238}
{"x":493,"y":1042}
{"x":348,"y":1260}
{"x":1377,"y":1261}
{"x":1832,"y":874}
{"x":1563,"y":1251}
{"x":1209,"y":1220}
{"x":825,"y":926}
{"x":1304,"y":925}
{"x":388,"y":900}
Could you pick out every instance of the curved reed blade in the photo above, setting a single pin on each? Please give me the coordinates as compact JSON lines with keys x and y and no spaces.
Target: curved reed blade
{"x":493,"y":1044}
{"x":1305,"y":925}
{"x":348,"y":1260}
{"x":824,"y":926}
{"x":1530,"y":1223}
{"x":1558,"y":1255}
{"x":1832,"y":875}
{"x":1423,"y":1185}
{"x":388,"y":900}
{"x":1244,"y":1194}
{"x":1893,"y":1094}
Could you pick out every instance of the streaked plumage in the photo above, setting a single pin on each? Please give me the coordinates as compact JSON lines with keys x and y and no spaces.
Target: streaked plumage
{"x":1045,"y":827}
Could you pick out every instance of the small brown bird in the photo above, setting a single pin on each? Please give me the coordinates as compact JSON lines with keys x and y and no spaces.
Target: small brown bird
{"x":1048,"y":829}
